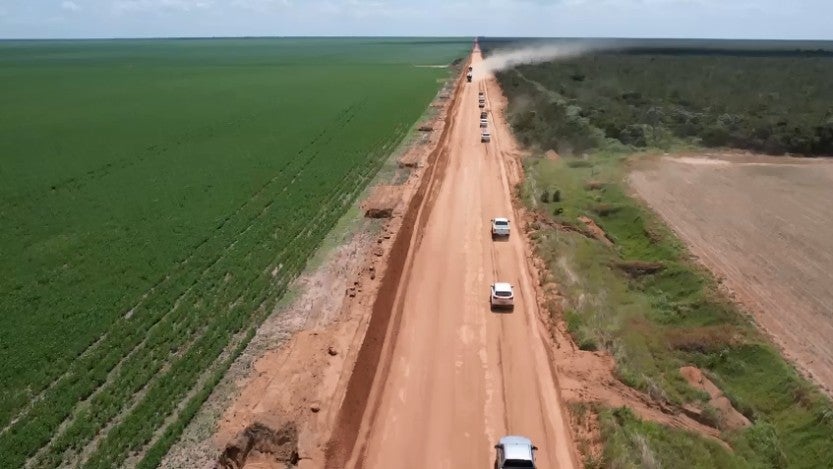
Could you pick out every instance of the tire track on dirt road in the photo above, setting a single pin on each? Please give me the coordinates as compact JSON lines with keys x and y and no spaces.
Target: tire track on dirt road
{"x":355,"y":402}
{"x":443,"y":377}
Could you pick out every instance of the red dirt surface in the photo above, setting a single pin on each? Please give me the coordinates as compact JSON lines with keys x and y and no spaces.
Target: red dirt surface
{"x":596,"y":230}
{"x":731,"y":419}
{"x":448,"y":377}
{"x":764,"y":226}
{"x":383,"y":201}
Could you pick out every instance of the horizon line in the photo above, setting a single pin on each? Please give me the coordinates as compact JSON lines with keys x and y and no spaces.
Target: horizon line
{"x":645,"y":38}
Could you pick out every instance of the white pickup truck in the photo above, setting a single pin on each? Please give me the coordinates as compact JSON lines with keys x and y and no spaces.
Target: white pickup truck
{"x":484,"y":123}
{"x":485,"y":136}
{"x":500,"y":227}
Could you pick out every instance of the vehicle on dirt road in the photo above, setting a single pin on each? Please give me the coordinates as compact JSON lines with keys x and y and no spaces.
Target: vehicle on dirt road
{"x":468,"y":77}
{"x":484,"y":114}
{"x":515,"y":452}
{"x":502,"y":296}
{"x":484,"y":123}
{"x":485,"y":136}
{"x":500,"y":227}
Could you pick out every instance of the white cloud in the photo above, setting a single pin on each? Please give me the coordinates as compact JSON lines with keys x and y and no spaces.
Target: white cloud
{"x":261,"y":6}
{"x":69,"y":5}
{"x":160,"y":6}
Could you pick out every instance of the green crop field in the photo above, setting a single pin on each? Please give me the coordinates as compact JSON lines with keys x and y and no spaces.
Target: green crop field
{"x":156,"y":198}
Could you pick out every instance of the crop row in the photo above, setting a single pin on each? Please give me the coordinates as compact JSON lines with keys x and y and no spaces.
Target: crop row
{"x":152,"y":215}
{"x":182,"y":333}
{"x":90,"y":372}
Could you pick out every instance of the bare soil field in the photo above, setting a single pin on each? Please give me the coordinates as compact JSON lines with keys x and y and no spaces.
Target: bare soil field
{"x":764,"y":226}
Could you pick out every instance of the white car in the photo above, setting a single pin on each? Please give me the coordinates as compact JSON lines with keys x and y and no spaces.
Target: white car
{"x":485,"y":136}
{"x":502,"y":296}
{"x":515,"y":452}
{"x":484,"y":123}
{"x":481,"y":104}
{"x":500,"y":227}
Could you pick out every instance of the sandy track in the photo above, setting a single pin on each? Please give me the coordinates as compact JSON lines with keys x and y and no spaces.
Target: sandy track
{"x":452,"y":376}
{"x":764,"y":225}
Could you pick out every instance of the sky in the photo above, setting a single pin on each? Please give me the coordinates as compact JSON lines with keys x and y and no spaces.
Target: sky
{"x":752,"y":19}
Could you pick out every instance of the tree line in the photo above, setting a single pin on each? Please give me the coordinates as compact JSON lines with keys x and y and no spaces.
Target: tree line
{"x":777,"y":103}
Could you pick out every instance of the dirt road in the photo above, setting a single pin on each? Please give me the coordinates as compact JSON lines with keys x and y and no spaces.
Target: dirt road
{"x":453,"y":376}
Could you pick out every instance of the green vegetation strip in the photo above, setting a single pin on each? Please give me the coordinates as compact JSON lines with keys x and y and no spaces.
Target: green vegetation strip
{"x":157,"y":200}
{"x":645,"y":301}
{"x":654,"y":323}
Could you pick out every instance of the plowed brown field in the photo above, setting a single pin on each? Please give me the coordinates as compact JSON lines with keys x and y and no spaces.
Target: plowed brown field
{"x":765,"y":226}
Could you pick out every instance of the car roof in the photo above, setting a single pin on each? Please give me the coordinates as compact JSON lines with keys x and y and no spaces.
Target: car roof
{"x":502,"y":219}
{"x":517,"y":447}
{"x":502,"y":286}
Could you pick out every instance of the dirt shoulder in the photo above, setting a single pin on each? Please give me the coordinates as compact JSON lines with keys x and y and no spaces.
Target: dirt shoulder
{"x":278,"y":402}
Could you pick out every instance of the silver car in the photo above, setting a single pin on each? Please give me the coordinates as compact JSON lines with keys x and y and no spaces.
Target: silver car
{"x":515,"y":452}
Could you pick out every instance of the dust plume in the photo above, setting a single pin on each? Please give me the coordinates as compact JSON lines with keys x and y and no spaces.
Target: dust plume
{"x":533,"y":54}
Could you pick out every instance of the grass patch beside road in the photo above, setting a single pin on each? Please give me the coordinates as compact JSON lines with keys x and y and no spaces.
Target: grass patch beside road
{"x":644,"y":301}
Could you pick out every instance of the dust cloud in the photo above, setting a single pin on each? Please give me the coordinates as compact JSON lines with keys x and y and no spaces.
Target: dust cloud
{"x":533,"y":54}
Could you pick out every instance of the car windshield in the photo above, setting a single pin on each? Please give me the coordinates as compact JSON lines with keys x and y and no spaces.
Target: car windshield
{"x":501,"y":222}
{"x":512,"y":463}
{"x":505,"y":294}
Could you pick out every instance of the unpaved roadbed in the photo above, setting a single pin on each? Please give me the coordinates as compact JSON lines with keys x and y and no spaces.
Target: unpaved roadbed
{"x":453,"y":377}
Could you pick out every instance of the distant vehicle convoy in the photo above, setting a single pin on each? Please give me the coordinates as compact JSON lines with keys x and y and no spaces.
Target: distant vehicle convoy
{"x":468,"y":75}
{"x":512,"y":451}
{"x":515,"y":452}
